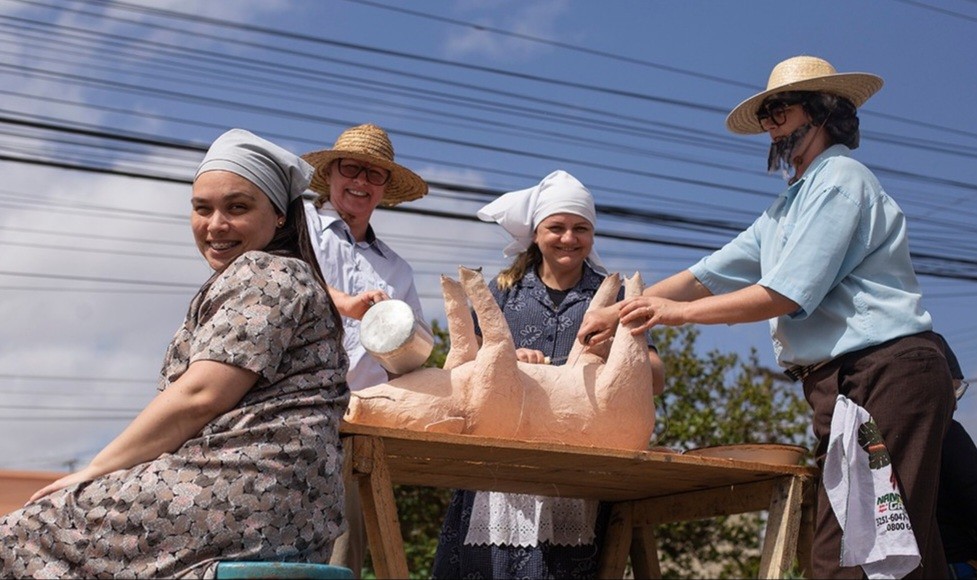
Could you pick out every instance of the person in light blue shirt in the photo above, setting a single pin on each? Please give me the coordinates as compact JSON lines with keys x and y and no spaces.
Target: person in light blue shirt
{"x":353,"y":178}
{"x":854,"y":287}
{"x":828,"y":265}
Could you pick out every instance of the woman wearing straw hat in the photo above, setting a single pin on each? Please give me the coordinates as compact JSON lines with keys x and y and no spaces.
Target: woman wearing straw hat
{"x":543,"y":295}
{"x":828,"y":265}
{"x":238,"y":455}
{"x":352,"y":179}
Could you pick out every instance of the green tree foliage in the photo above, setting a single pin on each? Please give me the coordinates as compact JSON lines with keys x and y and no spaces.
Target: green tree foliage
{"x":710,"y":399}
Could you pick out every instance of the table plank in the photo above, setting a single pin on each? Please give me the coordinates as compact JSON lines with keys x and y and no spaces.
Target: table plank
{"x":646,"y":488}
{"x":480,"y":463}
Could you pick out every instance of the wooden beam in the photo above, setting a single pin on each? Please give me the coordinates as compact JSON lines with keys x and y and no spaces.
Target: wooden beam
{"x":697,"y":505}
{"x":783,"y":525}
{"x":644,"y":553}
{"x":617,"y":542}
{"x":379,"y":508}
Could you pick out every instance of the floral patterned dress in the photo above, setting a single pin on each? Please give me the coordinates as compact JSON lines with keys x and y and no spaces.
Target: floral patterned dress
{"x":259,"y":482}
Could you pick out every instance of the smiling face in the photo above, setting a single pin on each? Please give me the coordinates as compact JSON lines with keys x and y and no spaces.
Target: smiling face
{"x":565,"y":240}
{"x":230,"y":216}
{"x":355,"y":198}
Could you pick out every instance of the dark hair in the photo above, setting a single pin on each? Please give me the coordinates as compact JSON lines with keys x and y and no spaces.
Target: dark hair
{"x":292,"y":240}
{"x":837,"y":114}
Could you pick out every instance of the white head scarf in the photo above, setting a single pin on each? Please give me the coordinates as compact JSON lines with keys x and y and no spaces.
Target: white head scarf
{"x":280,"y":174}
{"x":519,"y":212}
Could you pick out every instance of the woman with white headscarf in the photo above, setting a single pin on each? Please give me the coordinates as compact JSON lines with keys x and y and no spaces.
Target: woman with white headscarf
{"x":543,"y":295}
{"x":237,"y":457}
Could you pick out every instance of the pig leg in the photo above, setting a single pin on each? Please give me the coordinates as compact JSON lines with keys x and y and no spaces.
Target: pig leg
{"x":461,"y":328}
{"x":624,"y":386}
{"x":605,"y":296}
{"x":496,"y":390}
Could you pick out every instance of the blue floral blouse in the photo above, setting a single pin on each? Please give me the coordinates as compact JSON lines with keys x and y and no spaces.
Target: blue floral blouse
{"x":536,"y":322}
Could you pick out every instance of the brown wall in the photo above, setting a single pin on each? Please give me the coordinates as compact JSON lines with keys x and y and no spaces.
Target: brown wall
{"x":16,"y":487}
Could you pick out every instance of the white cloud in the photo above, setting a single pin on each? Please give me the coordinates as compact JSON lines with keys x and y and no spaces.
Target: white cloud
{"x":55,"y":328}
{"x":536,"y":19}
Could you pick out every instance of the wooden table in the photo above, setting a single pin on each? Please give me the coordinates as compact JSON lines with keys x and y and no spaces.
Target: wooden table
{"x":646,"y":488}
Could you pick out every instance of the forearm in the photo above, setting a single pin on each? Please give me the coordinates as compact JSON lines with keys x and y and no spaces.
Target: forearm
{"x":206,"y":389}
{"x":657,"y":372}
{"x":163,"y":426}
{"x":681,"y":287}
{"x":751,"y":304}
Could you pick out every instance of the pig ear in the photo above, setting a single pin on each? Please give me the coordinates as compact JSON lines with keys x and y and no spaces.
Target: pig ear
{"x":461,"y":327}
{"x":633,"y":286}
{"x":607,"y":293}
{"x":495,"y":330}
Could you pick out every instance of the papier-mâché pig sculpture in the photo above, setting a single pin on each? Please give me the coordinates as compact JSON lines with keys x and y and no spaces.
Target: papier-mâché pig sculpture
{"x":602,"y":399}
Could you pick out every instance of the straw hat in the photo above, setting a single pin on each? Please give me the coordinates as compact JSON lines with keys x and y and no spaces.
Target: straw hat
{"x":803,"y":73}
{"x":371,"y":144}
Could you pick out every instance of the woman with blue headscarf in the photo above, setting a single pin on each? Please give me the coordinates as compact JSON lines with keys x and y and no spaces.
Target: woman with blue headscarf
{"x":237,"y":457}
{"x":543,"y":295}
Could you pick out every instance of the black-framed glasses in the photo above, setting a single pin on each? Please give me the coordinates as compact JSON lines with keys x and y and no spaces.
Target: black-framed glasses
{"x":374,"y":175}
{"x":775,"y":110}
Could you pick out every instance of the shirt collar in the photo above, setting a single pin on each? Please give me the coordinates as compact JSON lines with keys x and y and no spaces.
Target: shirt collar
{"x":835,"y":150}
{"x":590,"y":280}
{"x":329,"y":219}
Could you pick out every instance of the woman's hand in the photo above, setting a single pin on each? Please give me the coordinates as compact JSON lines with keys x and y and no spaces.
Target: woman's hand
{"x":528,"y":355}
{"x":356,"y":306}
{"x":83,"y":475}
{"x":649,"y":311}
{"x":598,"y":325}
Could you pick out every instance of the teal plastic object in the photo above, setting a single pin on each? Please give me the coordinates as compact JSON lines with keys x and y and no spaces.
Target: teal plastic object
{"x":295,"y":570}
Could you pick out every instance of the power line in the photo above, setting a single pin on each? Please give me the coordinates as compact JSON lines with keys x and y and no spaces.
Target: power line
{"x":936,"y":272}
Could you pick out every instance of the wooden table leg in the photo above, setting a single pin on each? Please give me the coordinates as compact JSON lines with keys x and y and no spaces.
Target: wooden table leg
{"x":617,"y":541}
{"x":379,"y":507}
{"x":805,"y":538}
{"x":783,"y":525}
{"x":644,"y":553}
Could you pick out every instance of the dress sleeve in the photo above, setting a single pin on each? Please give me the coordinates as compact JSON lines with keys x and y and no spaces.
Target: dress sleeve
{"x":252,"y":311}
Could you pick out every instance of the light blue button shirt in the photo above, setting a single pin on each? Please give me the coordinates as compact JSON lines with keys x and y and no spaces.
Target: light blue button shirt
{"x":836,"y":244}
{"x":356,"y":267}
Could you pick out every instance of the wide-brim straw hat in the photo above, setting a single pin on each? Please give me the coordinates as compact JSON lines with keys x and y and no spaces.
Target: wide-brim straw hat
{"x":371,"y":144}
{"x":803,"y":73}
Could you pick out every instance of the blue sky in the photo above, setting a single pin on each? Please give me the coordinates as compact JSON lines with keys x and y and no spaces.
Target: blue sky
{"x":97,"y":268}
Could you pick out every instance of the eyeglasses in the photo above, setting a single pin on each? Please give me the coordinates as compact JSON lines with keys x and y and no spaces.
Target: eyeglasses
{"x":775,"y":110}
{"x":352,"y":170}
{"x":960,"y":387}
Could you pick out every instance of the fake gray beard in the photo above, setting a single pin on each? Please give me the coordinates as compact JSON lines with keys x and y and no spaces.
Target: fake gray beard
{"x":782,"y":152}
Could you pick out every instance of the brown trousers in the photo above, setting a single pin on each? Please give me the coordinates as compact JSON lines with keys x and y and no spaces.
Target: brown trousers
{"x":905,"y":386}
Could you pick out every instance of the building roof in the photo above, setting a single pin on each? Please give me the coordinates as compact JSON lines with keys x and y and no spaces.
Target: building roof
{"x":16,"y":487}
